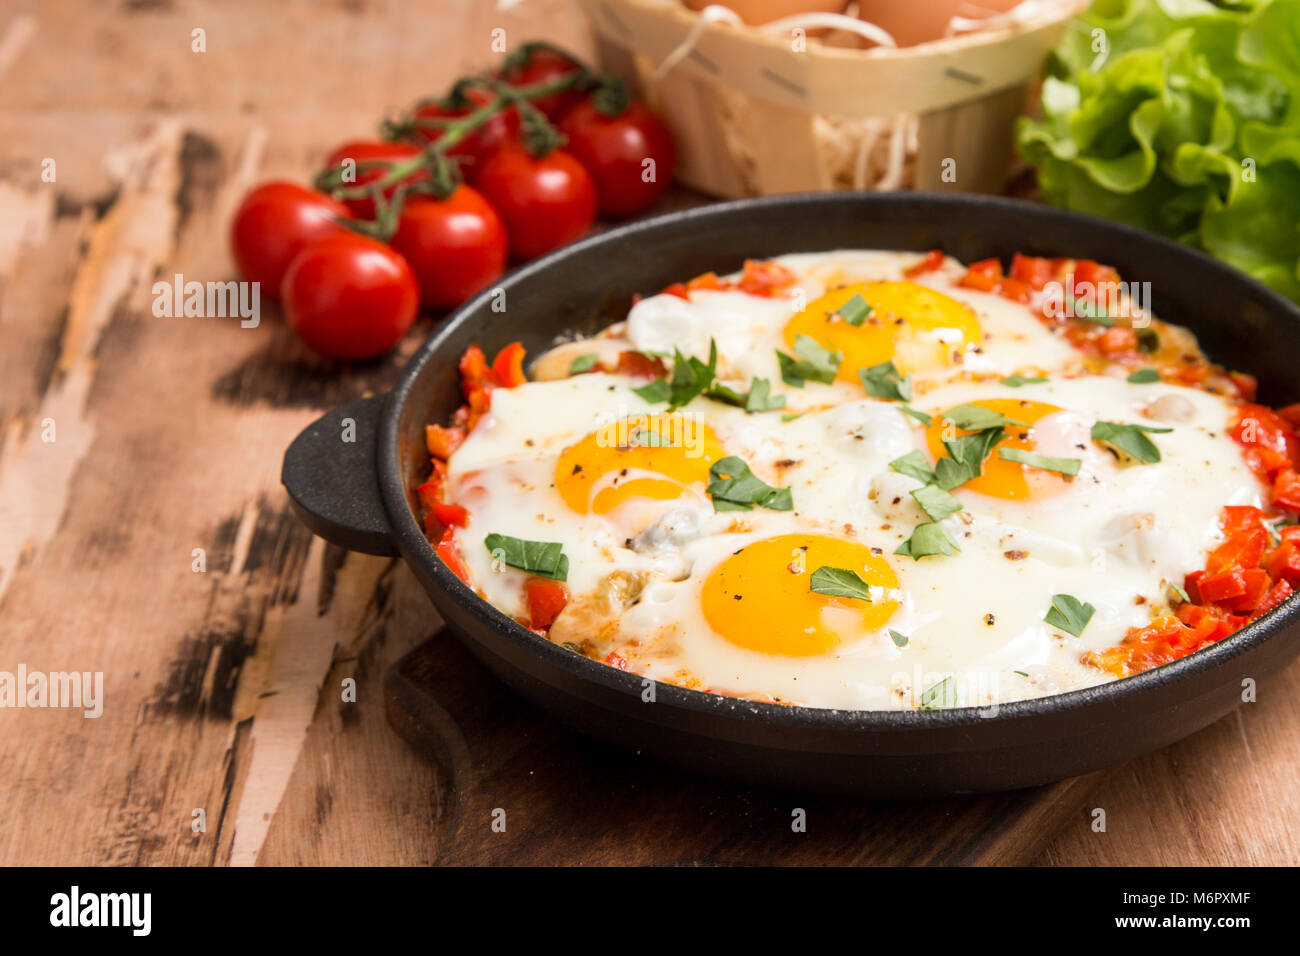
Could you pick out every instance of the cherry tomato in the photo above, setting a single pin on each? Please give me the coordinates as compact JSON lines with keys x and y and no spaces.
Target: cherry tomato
{"x":615,"y":150}
{"x":478,"y":145}
{"x":455,"y":246}
{"x":543,"y":66}
{"x":349,"y":296}
{"x":362,"y":152}
{"x":544,"y":202}
{"x":273,"y":224}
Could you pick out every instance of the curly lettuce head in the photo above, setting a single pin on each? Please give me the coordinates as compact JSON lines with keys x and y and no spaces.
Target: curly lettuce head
{"x":1181,"y":117}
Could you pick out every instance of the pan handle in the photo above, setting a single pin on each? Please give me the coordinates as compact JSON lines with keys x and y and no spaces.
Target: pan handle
{"x":330,"y":472}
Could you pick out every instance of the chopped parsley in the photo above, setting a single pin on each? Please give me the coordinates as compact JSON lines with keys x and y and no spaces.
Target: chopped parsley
{"x":855,"y":311}
{"x":940,"y":696}
{"x":936,"y":502}
{"x":733,"y":487}
{"x":546,"y":558}
{"x":1064,"y":466}
{"x":899,"y":638}
{"x":839,"y":582}
{"x":883,"y":381}
{"x":1129,"y":441}
{"x":811,"y":362}
{"x":927,"y":539}
{"x":973,"y":418}
{"x":1016,"y":381}
{"x":914,"y":465}
{"x":1069,"y":614}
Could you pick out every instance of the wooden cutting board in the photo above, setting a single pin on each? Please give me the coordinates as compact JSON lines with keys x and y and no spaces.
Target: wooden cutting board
{"x":566,"y":799}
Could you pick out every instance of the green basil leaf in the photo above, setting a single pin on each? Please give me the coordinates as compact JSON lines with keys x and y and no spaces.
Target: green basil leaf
{"x":839,"y":582}
{"x":927,"y":539}
{"x":761,"y":399}
{"x":975,"y":418}
{"x":883,"y":381}
{"x":735,"y":488}
{"x":965,"y":460}
{"x":1069,"y":614}
{"x":1129,"y":441}
{"x":1088,"y":310}
{"x":1148,"y":340}
{"x":812,"y":362}
{"x":1144,"y":376}
{"x":916,"y":413}
{"x":583,"y":363}
{"x":900,"y":639}
{"x":936,"y":502}
{"x":545,"y":558}
{"x":655,"y":392}
{"x":1064,"y":466}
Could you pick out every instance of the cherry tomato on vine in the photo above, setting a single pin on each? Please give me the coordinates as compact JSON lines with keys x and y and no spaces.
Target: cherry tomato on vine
{"x":273,"y":224}
{"x":615,"y":150}
{"x":362,"y":152}
{"x":544,"y":202}
{"x":349,"y":296}
{"x":478,"y":145}
{"x":542,"y":66}
{"x":455,"y":246}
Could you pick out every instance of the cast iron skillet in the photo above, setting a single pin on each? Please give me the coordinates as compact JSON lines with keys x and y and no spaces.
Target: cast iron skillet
{"x":359,"y":494}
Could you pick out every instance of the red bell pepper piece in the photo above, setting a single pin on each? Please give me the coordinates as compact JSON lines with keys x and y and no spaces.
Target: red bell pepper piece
{"x":1223,"y":586}
{"x":1286,"y":489}
{"x":546,"y":599}
{"x":508,"y":366}
{"x":932,"y":261}
{"x":443,"y":441}
{"x":450,"y":556}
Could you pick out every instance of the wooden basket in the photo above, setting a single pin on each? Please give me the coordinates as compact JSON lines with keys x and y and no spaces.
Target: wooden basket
{"x":753,"y":115}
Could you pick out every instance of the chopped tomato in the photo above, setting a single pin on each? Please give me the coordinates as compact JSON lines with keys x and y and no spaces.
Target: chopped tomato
{"x":451,"y":556}
{"x":546,"y":599}
{"x":708,"y":281}
{"x":1033,"y":271}
{"x":639,"y":365}
{"x":676,"y":289}
{"x":932,"y":261}
{"x":1085,"y":270}
{"x":1283,"y":563}
{"x":1286,"y":489}
{"x":1256,"y":586}
{"x":615,"y":660}
{"x":1222,"y":585}
{"x":443,"y":441}
{"x":1291,"y":414}
{"x":474,"y":370}
{"x":1234,"y":519}
{"x":1278,"y":593}
{"x":429,"y":493}
{"x":508,"y":366}
{"x":764,"y":278}
{"x":1247,"y":385}
{"x":450,"y":515}
{"x":1245,"y":549}
{"x":1015,"y":290}
{"x":983,"y":276}
{"x":1117,"y":340}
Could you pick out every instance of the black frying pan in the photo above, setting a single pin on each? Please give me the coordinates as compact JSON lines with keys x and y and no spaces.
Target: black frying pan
{"x":360,"y":495}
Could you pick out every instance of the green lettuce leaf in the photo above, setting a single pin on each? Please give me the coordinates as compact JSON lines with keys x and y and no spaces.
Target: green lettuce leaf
{"x":1181,"y":117}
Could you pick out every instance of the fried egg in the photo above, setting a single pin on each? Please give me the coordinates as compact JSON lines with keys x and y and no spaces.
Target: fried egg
{"x":811,"y":596}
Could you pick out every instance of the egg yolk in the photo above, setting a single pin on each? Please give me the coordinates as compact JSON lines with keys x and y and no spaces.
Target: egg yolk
{"x":910,"y":325}
{"x":1002,"y":478}
{"x":760,"y":598}
{"x":647,"y":456}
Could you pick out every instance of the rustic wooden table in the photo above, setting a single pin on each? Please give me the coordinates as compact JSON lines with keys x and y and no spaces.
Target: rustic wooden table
{"x":135,"y":449}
